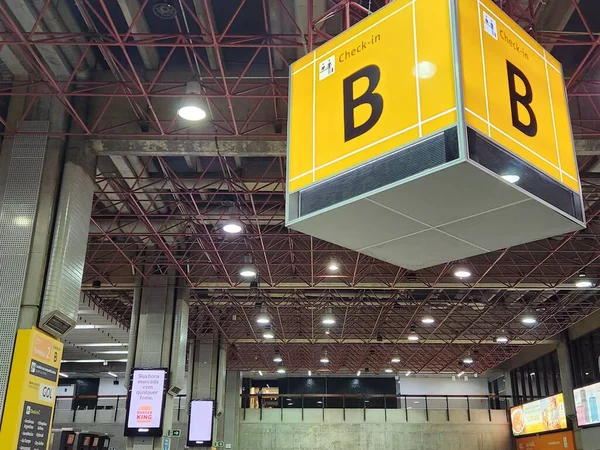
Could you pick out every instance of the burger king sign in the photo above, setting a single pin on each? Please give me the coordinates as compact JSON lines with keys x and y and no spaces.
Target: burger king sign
{"x":146,"y":402}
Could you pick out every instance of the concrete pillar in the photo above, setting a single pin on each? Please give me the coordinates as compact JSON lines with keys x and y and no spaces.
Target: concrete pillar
{"x":208,"y":379}
{"x":161,"y":327}
{"x":233,"y":390}
{"x":566,"y":376}
{"x":30,"y":173}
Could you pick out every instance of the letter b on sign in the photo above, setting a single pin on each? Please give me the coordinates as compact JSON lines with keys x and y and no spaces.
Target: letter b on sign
{"x":524,"y":99}
{"x":369,"y":97}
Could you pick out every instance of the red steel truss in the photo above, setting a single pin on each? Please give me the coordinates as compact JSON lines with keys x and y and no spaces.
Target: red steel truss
{"x":164,"y":219}
{"x":242,"y":104}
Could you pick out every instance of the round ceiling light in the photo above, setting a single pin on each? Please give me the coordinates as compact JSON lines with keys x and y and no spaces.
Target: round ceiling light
{"x":281,"y":370}
{"x":328,"y":318}
{"x":413,"y":337}
{"x":324,"y":359}
{"x":468,"y":360}
{"x":502,"y":339}
{"x":268,"y":334}
{"x":528,"y":320}
{"x":232,"y":227}
{"x":248,"y":272}
{"x":428,"y":319}
{"x":193,"y":113}
{"x":462,"y":273}
{"x":333,"y":267}
{"x":395,"y":359}
{"x":584,"y":284}
{"x":277,"y":359}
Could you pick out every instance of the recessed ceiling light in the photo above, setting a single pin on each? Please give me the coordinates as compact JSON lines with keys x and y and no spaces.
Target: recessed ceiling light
{"x":584,"y":284}
{"x":528,"y":320}
{"x":511,"y":178}
{"x":462,"y":273}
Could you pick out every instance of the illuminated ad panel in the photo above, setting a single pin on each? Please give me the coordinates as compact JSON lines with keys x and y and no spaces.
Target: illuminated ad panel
{"x":145,"y":404}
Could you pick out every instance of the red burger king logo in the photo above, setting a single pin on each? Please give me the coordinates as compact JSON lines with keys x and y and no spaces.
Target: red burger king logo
{"x":144,"y":414}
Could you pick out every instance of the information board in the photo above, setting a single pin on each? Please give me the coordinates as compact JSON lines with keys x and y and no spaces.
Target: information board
{"x":547,"y":414}
{"x":145,"y":403}
{"x":587,"y":405}
{"x":200,"y":425}
{"x":27,"y":420}
{"x":384,"y":83}
{"x":514,"y":91}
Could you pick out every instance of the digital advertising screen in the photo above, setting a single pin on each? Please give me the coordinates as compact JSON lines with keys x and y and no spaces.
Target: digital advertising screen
{"x":201,"y":423}
{"x":145,"y":403}
{"x":563,"y":440}
{"x":540,"y":416}
{"x":587,"y":405}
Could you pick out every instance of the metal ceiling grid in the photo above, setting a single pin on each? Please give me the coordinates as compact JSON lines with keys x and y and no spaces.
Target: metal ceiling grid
{"x":155,"y":212}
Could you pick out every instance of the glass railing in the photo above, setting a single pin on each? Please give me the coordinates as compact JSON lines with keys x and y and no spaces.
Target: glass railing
{"x":411,"y":405}
{"x":112,"y":408}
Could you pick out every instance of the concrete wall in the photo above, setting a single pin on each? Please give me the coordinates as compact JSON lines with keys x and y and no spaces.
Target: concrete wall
{"x":395,"y":434}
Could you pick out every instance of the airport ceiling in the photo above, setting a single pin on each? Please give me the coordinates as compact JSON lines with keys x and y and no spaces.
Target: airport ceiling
{"x":165,"y":187}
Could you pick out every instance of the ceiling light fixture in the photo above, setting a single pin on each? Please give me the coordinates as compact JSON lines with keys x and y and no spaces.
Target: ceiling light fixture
{"x":260,"y":373}
{"x":325,"y":359}
{"x":468,"y":359}
{"x":408,"y":374}
{"x":328,"y":318}
{"x":528,"y":320}
{"x":395,"y":359}
{"x":191,"y":107}
{"x":263,"y":318}
{"x":358,"y":373}
{"x":502,"y":339}
{"x":389,"y":371}
{"x":460,"y":374}
{"x":511,"y":178}
{"x":277,"y":358}
{"x":333,"y":266}
{"x":281,"y":370}
{"x":248,"y":272}
{"x":310,"y":373}
{"x":232,"y":226}
{"x":268,"y":333}
{"x":583,"y":284}
{"x":428,"y":319}
{"x":462,"y":273}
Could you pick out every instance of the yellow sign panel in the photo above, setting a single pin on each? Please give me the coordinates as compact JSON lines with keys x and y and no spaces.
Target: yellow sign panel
{"x":29,"y":407}
{"x":382,"y":84}
{"x":514,"y":91}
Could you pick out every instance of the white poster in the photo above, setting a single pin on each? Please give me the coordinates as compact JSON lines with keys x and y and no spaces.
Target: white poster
{"x":201,"y":421}
{"x":147,"y":395}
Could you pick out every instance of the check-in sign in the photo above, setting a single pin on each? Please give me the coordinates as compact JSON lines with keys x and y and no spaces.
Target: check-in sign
{"x":383,"y":83}
{"x":514,"y":91}
{"x":390,"y":80}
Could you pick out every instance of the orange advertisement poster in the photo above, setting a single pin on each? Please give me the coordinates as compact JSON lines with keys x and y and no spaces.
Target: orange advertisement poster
{"x":554,"y":441}
{"x":547,"y":414}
